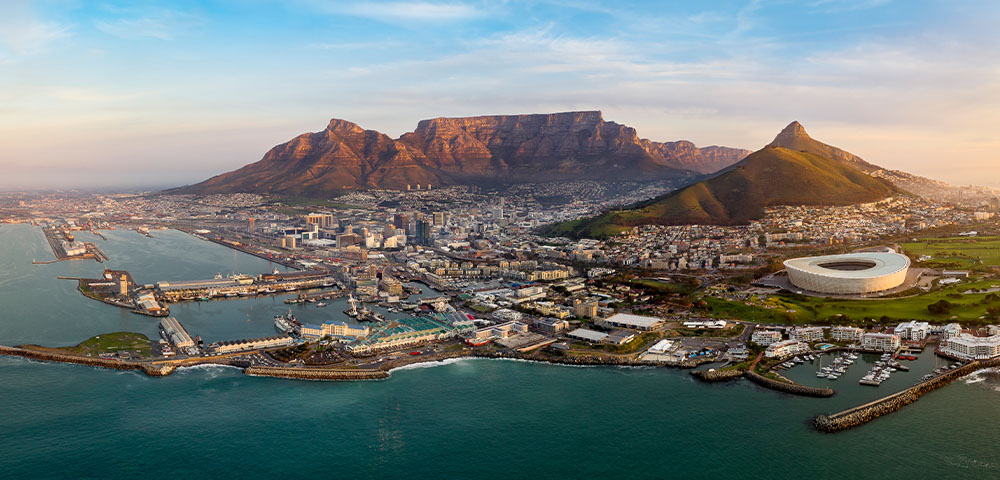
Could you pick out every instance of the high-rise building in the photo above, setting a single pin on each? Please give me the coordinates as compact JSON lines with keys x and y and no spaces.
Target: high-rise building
{"x":123,"y":286}
{"x":400,"y":220}
{"x":423,"y":233}
{"x":251,"y":225}
{"x":322,"y":220}
{"x":439,"y":218}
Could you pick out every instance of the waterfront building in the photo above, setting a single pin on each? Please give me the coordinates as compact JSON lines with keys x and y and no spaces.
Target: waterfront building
{"x":334,"y":328}
{"x":807,"y":334}
{"x":232,"y":346}
{"x":588,"y":335}
{"x":953,"y":329}
{"x":551,"y":326}
{"x":970,"y":347}
{"x":846,"y":334}
{"x":402,"y":333}
{"x":172,"y":331}
{"x":635,"y":322}
{"x":883,"y":342}
{"x":764,"y":337}
{"x":912,"y":331}
{"x":662,"y":347}
{"x":619,"y":337}
{"x":500,"y":331}
{"x":786,"y":348}
{"x":390,"y":285}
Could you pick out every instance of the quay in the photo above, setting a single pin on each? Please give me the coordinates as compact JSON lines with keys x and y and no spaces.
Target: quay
{"x":304,"y":297}
{"x":240,"y":247}
{"x":68,"y":248}
{"x":243,"y":285}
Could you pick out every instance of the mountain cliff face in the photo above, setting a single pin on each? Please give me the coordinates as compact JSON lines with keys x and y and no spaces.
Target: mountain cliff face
{"x":816,"y":174}
{"x":488,"y":149}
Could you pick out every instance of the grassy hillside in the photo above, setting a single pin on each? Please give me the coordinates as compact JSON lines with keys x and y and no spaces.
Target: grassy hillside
{"x":768,"y":177}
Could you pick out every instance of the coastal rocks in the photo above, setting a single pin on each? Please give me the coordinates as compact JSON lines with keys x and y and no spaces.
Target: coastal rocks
{"x":717,"y":375}
{"x":316,"y":373}
{"x":786,"y":387}
{"x":89,"y":361}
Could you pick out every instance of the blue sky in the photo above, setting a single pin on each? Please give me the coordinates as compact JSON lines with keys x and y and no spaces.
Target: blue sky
{"x":140,"y":93}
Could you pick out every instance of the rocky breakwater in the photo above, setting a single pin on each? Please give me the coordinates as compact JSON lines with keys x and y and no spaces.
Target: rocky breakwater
{"x":49,"y":356}
{"x":328,"y":374}
{"x":863,"y":414}
{"x":787,"y":387}
{"x":718,"y":375}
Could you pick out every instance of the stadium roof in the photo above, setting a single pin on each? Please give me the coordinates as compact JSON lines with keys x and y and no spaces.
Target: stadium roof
{"x":851,"y":265}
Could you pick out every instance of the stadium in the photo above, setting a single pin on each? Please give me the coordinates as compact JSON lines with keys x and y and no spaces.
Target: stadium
{"x":850,"y":273}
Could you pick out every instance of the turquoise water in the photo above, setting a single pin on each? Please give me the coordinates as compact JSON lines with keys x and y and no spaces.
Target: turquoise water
{"x":467,"y":419}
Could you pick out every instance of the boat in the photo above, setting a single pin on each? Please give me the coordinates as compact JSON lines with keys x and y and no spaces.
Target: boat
{"x":820,"y":375}
{"x":320,"y":304}
{"x":287,"y":323}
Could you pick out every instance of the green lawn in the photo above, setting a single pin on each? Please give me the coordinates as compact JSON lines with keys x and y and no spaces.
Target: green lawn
{"x":113,"y":342}
{"x":957,"y":252}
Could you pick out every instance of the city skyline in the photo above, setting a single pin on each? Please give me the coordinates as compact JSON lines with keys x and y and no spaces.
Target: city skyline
{"x":154,"y":94}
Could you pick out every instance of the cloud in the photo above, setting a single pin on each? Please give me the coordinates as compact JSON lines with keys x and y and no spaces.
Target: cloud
{"x":159,"y":24}
{"x":412,"y":11}
{"x":23,"y":33}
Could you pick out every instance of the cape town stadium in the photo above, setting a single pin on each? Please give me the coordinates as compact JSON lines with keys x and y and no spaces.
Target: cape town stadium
{"x":850,"y":273}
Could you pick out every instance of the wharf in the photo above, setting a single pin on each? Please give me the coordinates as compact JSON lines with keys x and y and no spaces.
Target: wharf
{"x":302,"y":297}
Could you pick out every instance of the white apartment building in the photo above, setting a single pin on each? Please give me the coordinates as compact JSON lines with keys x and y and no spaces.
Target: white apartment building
{"x":883,"y":342}
{"x":786,"y":348}
{"x":970,"y":347}
{"x":807,"y":334}
{"x":765,"y":337}
{"x":846,"y":334}
{"x":913,"y":331}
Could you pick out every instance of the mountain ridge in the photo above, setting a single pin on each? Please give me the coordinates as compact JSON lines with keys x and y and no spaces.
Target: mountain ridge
{"x":461,"y":150}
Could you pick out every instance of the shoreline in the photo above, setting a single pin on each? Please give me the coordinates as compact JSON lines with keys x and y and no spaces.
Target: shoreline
{"x":834,"y":422}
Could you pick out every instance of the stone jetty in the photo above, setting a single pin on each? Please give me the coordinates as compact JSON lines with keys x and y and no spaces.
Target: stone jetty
{"x":316,"y":373}
{"x":148,"y":369}
{"x":862,"y":414}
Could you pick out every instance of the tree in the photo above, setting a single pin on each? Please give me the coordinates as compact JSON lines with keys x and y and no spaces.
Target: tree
{"x":940,"y":307}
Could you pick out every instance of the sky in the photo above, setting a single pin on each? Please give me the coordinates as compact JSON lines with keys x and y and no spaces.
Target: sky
{"x":145,"y":94}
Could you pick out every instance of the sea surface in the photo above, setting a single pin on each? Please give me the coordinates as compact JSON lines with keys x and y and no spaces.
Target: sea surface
{"x":462,"y":419}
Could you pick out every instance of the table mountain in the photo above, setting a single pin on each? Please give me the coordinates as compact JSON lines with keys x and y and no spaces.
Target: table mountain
{"x":482,"y":150}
